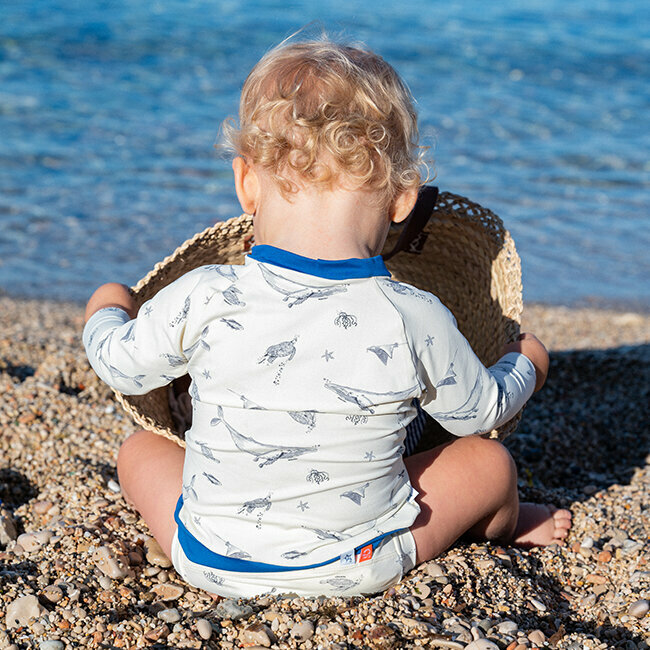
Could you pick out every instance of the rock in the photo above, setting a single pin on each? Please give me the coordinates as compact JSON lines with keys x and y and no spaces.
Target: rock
{"x":257,"y":634}
{"x":422,"y":590}
{"x":507,"y":627}
{"x":22,"y":609}
{"x":155,"y":554}
{"x":114,"y":486}
{"x":33,"y":541}
{"x":481,"y":644}
{"x":52,"y":593}
{"x":435,"y":570}
{"x":537,"y":604}
{"x":381,"y":636}
{"x":204,"y":628}
{"x":51,"y":645}
{"x":230,"y":609}
{"x":8,"y":531}
{"x":105,"y":582}
{"x":41,"y":507}
{"x":169,"y":615}
{"x":303,"y":630}
{"x":108,"y":564}
{"x":537,"y":637}
{"x":638,"y":609}
{"x":168,"y":591}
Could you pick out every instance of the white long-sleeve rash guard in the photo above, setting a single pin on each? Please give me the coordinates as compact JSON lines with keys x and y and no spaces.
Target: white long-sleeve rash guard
{"x":303,"y":374}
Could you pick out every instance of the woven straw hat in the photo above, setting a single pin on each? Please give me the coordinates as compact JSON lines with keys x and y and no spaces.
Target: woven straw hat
{"x":463,"y":255}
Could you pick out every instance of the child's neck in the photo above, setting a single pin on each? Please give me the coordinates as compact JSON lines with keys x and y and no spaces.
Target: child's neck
{"x":331,"y":224}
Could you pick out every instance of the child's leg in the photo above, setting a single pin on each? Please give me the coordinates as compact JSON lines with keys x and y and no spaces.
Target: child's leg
{"x":150,"y":469}
{"x":470,"y":486}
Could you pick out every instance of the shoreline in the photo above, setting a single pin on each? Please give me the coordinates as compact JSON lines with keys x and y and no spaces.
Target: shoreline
{"x":88,"y":570}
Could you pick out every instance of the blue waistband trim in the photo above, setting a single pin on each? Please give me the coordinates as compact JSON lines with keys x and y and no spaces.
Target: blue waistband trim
{"x":354,"y":267}
{"x":201,"y":554}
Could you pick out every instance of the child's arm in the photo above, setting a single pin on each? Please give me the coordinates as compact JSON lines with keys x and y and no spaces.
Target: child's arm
{"x":531,"y":347}
{"x":136,"y":355}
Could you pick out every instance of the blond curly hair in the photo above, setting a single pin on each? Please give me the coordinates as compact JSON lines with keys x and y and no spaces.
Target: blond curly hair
{"x":323,"y":113}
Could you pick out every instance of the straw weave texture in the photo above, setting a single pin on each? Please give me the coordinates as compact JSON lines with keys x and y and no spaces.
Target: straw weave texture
{"x":468,"y":260}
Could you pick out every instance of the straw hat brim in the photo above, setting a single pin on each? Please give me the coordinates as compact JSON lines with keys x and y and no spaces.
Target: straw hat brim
{"x":465,"y":256}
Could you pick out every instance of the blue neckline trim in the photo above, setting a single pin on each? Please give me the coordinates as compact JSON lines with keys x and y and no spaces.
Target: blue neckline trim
{"x":201,"y":554}
{"x":354,"y":267}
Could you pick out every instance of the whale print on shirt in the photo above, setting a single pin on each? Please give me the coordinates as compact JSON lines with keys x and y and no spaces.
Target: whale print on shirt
{"x":359,"y":396}
{"x":297,"y":291}
{"x":469,"y":409}
{"x":268,"y":454}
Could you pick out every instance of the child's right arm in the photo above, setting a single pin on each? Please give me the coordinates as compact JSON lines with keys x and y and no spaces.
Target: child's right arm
{"x":136,"y":355}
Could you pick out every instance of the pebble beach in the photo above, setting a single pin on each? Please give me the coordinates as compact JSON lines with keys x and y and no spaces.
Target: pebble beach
{"x":78,"y":568}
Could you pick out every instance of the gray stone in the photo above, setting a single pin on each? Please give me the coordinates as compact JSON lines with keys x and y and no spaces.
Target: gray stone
{"x":481,"y":644}
{"x":169,"y":615}
{"x":507,"y":627}
{"x":51,"y":645}
{"x":230,"y":609}
{"x":639,"y":609}
{"x":21,"y":610}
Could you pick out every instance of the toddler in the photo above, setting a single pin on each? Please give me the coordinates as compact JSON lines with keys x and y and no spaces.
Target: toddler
{"x":306,"y":362}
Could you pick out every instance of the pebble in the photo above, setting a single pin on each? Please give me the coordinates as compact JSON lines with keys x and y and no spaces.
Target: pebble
{"x":537,"y":637}
{"x":507,"y":627}
{"x":204,"y":628}
{"x":21,"y":610}
{"x":52,"y":593}
{"x":51,"y":645}
{"x":537,"y":604}
{"x":42,"y":507}
{"x":168,"y":591}
{"x":114,"y":486}
{"x":169,"y":615}
{"x":257,"y":634}
{"x":31,"y":542}
{"x":639,"y":609}
{"x":155,"y":554}
{"x":8,"y":531}
{"x":422,"y":590}
{"x":108,"y":564}
{"x":230,"y":609}
{"x":481,"y":644}
{"x":302,"y":631}
{"x":435,"y":570}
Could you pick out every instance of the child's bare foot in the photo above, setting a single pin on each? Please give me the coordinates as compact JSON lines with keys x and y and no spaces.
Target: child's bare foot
{"x":541,"y":525}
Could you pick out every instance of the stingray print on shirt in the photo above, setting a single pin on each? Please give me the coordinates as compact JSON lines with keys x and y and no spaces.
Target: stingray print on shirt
{"x":297,"y":291}
{"x":268,"y":454}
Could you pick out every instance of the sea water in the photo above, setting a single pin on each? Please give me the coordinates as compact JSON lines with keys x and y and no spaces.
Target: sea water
{"x":109,"y":111}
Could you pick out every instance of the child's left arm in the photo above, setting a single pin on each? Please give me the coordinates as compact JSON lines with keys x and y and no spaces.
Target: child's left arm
{"x":135,"y":354}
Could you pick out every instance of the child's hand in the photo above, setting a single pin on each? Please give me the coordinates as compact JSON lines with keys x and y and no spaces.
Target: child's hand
{"x":111,"y":295}
{"x":530,"y":346}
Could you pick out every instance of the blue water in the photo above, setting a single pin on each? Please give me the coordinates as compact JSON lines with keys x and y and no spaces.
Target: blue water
{"x":109,"y":111}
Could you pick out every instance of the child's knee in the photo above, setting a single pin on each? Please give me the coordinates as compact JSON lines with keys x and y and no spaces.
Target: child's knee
{"x":495,"y":461}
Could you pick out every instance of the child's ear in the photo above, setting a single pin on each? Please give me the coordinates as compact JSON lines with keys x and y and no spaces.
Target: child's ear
{"x":403,"y":205}
{"x":246,"y":185}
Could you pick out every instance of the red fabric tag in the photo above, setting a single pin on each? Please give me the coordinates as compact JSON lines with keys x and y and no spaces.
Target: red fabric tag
{"x":365,"y":553}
